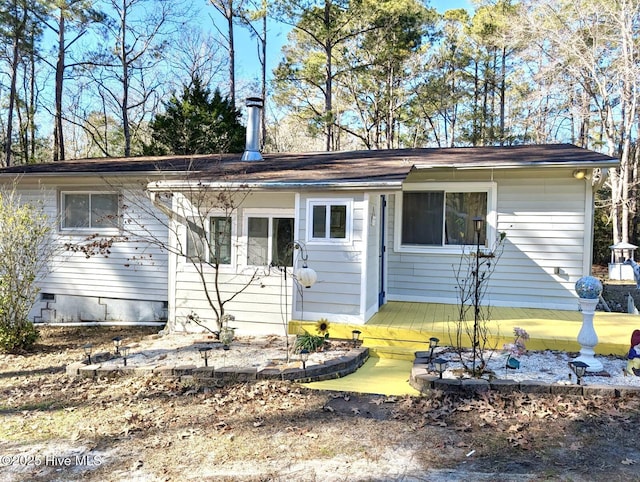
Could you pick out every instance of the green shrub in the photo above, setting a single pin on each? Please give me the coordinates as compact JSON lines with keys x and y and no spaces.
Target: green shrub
{"x":26,"y":249}
{"x":22,"y":336}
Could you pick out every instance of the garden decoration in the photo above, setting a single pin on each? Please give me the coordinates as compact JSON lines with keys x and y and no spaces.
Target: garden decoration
{"x":633,"y":365}
{"x":124,"y":351}
{"x":306,"y":276}
{"x":227,"y":335}
{"x":512,"y":363}
{"x":117,"y":343}
{"x":204,"y":354}
{"x":433,"y":343}
{"x":636,"y":271}
{"x":579,"y":368}
{"x":516,"y":349}
{"x":355,"y":337}
{"x":87,"y":351}
{"x":304,"y":357}
{"x":441,"y":365}
{"x":588,"y":289}
{"x":314,"y":343}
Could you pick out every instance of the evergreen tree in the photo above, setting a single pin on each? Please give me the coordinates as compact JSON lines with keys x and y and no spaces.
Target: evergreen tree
{"x":196,"y":123}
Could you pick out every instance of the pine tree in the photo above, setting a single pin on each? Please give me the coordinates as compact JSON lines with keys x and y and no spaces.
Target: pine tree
{"x":197,"y":123}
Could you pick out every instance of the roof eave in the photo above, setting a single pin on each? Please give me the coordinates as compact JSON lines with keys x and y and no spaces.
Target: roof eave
{"x":66,"y":174}
{"x":179,"y":185}
{"x":525,"y":165}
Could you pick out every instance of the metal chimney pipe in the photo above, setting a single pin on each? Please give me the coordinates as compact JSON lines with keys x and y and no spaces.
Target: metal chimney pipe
{"x":252,"y":149}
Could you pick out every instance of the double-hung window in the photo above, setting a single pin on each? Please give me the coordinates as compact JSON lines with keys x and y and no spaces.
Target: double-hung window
{"x":89,"y":210}
{"x":210,"y":242}
{"x":329,"y":220}
{"x":270,"y":240}
{"x":443,"y":215}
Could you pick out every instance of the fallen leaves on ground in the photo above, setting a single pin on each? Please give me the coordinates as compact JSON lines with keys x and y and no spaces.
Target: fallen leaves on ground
{"x":249,"y":423}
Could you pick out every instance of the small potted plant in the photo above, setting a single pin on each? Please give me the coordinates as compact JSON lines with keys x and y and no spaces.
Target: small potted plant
{"x":516,"y":349}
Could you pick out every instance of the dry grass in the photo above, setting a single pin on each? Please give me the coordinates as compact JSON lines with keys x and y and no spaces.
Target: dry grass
{"x":158,"y":429}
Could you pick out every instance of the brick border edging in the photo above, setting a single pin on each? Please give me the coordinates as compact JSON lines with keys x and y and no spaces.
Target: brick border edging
{"x":423,"y":380}
{"x":331,"y":369}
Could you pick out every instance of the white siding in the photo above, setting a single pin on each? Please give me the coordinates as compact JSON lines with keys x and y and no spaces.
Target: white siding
{"x":338,"y":293}
{"x":129,"y":283}
{"x":544,"y":222}
{"x":268,"y":301}
{"x":263,"y":304}
{"x":263,"y":308}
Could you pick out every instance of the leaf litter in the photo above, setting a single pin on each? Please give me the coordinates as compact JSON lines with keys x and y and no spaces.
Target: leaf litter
{"x":147,"y":428}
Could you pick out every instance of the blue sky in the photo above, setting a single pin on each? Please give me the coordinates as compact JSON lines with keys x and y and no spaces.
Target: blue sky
{"x":247,"y":68}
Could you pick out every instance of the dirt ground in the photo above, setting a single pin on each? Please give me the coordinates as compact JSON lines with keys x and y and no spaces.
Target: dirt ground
{"x":58,"y":428}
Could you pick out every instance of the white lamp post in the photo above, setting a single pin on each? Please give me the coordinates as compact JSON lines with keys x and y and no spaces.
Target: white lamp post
{"x":588,"y":289}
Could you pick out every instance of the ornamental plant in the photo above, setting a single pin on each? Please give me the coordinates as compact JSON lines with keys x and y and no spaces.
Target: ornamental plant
{"x":517,"y":348}
{"x":472,"y":275}
{"x":310,"y":342}
{"x":26,"y":251}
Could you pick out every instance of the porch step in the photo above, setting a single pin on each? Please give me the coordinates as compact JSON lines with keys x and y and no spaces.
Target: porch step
{"x":393,"y":352}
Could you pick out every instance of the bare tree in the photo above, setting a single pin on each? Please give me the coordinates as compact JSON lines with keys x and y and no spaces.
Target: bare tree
{"x":248,"y":17}
{"x":472,"y":276}
{"x":594,"y":43}
{"x":199,"y":57}
{"x":126,"y":70}
{"x":229,"y":9}
{"x":75,"y":17}
{"x":20,"y":32}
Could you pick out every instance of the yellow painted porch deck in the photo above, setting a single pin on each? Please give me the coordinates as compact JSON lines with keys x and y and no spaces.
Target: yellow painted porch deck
{"x":399,"y":328}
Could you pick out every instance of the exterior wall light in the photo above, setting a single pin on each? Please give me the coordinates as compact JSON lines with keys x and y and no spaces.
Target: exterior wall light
{"x":579,"y":174}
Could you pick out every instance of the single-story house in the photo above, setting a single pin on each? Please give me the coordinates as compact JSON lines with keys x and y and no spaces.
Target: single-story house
{"x":375,"y":226}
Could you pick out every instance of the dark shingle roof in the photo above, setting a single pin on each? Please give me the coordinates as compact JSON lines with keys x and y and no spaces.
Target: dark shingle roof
{"x":352,"y":166}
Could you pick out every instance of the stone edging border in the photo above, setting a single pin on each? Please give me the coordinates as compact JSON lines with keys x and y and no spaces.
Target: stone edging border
{"x":210,"y":376}
{"x":423,"y":380}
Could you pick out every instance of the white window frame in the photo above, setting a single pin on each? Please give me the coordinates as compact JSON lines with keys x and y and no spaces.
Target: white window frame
{"x":452,"y":187}
{"x":328,"y":202}
{"x":262,"y":213}
{"x":223,"y":267}
{"x":88,"y":229}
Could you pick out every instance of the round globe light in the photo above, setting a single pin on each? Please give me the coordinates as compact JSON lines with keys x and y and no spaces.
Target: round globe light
{"x":306,"y":276}
{"x":589,"y":287}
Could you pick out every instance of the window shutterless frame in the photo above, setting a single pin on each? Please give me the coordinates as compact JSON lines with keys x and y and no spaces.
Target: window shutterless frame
{"x":214,"y":239}
{"x":329,"y":220}
{"x":90,"y":211}
{"x":269,"y":238}
{"x":437,"y":217}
